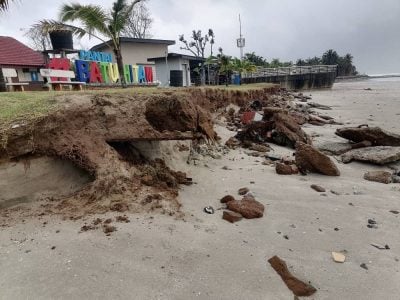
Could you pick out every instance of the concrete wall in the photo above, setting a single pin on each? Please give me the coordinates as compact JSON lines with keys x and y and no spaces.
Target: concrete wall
{"x":138,"y":53}
{"x":163,"y":71}
{"x":299,"y":81}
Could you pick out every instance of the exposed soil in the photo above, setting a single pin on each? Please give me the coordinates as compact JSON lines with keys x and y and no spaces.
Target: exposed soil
{"x":101,"y":135}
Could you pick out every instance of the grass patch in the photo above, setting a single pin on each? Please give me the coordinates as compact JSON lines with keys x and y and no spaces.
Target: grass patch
{"x":25,"y":105}
{"x":18,"y":106}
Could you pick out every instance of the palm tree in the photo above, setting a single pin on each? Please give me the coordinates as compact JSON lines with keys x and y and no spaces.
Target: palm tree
{"x":4,"y":4}
{"x":96,"y":22}
{"x":330,"y":57}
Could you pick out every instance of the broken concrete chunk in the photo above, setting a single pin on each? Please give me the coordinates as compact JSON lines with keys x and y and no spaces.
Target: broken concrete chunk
{"x":362,"y":144}
{"x":309,"y":159}
{"x":249,"y":209}
{"x":298,"y":287}
{"x":379,"y":155}
{"x":338,"y":257}
{"x":378,"y":176}
{"x":335,"y":148}
{"x":231,"y":216}
{"x":375,"y":135}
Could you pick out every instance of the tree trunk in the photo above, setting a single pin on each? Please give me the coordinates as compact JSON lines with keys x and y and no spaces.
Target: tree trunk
{"x":120,"y":63}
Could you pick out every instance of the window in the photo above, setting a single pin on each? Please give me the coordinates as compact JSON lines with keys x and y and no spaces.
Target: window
{"x":34,"y":76}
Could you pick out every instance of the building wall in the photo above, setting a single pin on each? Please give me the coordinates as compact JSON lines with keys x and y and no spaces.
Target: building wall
{"x":138,"y":53}
{"x":163,"y":71}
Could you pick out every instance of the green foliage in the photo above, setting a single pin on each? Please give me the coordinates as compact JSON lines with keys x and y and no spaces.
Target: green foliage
{"x":260,"y":61}
{"x":331,"y":57}
{"x":243,"y":65}
{"x":255,"y":59}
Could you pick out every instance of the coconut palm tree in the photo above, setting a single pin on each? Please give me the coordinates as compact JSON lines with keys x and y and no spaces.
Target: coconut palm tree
{"x":96,"y":22}
{"x":4,"y":4}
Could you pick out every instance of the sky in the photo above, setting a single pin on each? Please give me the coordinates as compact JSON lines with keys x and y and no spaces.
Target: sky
{"x":285,"y":29}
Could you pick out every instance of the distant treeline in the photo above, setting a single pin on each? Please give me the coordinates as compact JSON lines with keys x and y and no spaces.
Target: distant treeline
{"x":330,"y":57}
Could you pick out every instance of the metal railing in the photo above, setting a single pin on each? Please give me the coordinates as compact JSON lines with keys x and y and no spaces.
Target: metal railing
{"x":293,"y":70}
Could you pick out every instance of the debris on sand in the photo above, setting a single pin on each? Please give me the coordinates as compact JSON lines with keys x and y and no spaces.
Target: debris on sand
{"x":338,"y":257}
{"x":309,"y":159}
{"x":209,"y":210}
{"x":287,"y":132}
{"x":85,"y":228}
{"x":227,"y":199}
{"x":379,"y":176}
{"x":259,"y":148}
{"x":122,"y":219}
{"x":232,"y":143}
{"x":379,"y":155}
{"x":243,"y":191}
{"x":277,"y":127}
{"x":375,"y":135}
{"x":231,"y":216}
{"x":249,"y":209}
{"x":282,"y":168}
{"x":318,"y":188}
{"x":108,"y":229}
{"x":372,"y":224}
{"x":386,"y":247}
{"x":319,"y":106}
{"x":298,"y":287}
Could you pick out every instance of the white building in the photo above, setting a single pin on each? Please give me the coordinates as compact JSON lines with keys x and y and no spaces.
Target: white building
{"x":175,"y":69}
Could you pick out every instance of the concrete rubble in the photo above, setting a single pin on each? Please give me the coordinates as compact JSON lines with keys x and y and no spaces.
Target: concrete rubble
{"x":379,"y":155}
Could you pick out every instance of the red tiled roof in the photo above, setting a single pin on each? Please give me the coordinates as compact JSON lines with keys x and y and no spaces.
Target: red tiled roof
{"x":14,"y":53}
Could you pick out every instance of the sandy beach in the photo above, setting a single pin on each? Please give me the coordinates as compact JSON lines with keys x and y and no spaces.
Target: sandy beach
{"x":204,"y":257}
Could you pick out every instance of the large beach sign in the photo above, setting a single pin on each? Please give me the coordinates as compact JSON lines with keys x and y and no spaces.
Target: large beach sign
{"x":98,"y":68}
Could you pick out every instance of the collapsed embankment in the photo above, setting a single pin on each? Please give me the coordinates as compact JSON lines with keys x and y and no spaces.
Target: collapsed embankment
{"x":99,"y":135}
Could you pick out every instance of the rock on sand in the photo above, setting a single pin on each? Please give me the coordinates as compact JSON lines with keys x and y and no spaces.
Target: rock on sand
{"x":310,"y":159}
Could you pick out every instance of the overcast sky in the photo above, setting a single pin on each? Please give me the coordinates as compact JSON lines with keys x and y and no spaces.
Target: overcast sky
{"x":285,"y":29}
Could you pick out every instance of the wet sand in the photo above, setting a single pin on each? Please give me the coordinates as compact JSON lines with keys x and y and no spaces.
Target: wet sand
{"x":205,"y":257}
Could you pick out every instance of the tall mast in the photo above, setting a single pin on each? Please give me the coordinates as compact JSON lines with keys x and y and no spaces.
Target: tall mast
{"x":241,"y":40}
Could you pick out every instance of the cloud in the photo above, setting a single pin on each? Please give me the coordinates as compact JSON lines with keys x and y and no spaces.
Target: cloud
{"x":287,"y":29}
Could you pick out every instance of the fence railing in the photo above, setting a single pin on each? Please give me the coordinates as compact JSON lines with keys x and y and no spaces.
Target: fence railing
{"x":294,"y":70}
